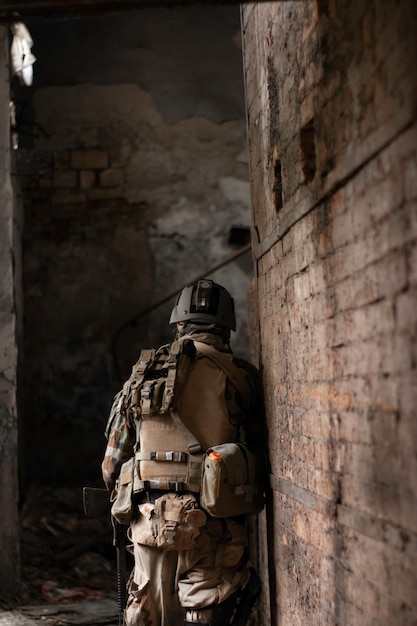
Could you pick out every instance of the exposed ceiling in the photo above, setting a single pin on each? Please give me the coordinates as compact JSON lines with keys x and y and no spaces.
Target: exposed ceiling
{"x":42,"y":9}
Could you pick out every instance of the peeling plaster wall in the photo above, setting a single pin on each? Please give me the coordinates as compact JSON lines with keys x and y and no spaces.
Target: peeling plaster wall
{"x":136,"y":173}
{"x":9,"y":289}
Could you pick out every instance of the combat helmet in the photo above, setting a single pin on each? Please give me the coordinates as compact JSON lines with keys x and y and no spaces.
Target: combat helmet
{"x":205,"y":302}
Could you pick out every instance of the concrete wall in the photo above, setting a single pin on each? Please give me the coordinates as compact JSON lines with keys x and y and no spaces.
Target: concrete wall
{"x":134,"y":173}
{"x":9,"y":293}
{"x":331,"y":95}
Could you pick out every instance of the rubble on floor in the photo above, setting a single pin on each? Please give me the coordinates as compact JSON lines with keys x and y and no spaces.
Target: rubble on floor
{"x":86,"y":613}
{"x":68,"y":563}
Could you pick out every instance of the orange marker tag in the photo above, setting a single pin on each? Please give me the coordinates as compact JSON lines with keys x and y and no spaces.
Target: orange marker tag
{"x":215,"y":456}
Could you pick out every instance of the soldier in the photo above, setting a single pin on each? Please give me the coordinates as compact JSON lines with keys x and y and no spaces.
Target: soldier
{"x":183,"y":437}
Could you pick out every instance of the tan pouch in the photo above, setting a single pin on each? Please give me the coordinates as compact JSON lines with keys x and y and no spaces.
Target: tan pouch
{"x":230,"y":481}
{"x":122,"y":495}
{"x":173,"y":522}
{"x":180,"y":519}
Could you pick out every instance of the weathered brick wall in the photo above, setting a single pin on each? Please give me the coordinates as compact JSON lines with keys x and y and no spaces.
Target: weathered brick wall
{"x":331,"y":95}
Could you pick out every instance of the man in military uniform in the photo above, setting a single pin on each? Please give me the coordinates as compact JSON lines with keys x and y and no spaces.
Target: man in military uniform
{"x":184,"y":408}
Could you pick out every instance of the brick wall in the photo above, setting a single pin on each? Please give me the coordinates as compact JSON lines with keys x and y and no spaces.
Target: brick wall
{"x":331,"y":96}
{"x":70,"y":177}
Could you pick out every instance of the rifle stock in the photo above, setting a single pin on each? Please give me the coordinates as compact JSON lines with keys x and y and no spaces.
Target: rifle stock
{"x":96,"y":501}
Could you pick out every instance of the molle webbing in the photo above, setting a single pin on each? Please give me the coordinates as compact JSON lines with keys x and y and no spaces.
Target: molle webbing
{"x":174,"y":469}
{"x":162,"y":455}
{"x":166,"y":485}
{"x":133,"y":384}
{"x":171,"y":364}
{"x":159,"y":377}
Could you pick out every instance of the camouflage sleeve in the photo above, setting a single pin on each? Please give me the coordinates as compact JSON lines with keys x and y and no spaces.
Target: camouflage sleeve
{"x":120,"y":436}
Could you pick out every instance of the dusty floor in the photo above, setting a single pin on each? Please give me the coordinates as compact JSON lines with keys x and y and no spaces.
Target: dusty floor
{"x":68,"y":564}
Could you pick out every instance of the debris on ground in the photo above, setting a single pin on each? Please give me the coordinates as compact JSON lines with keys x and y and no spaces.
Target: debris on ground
{"x":86,"y":613}
{"x":68,"y":563}
{"x":65,"y":556}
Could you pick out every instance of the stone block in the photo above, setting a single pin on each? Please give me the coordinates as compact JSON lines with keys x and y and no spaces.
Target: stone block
{"x":68,"y":198}
{"x":87,"y":179}
{"x":89,"y":159}
{"x":111,"y":178}
{"x":45,"y":183}
{"x":104,"y":194}
{"x":65,"y":179}
{"x":29,"y":182}
{"x":61,"y":159}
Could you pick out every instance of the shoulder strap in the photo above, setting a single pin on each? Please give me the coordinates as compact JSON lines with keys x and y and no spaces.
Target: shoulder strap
{"x":130,"y":388}
{"x":146,"y":357}
{"x":232,"y":372}
{"x":172,"y":365}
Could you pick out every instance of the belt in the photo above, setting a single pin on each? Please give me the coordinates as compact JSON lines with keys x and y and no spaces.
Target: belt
{"x":154,"y":494}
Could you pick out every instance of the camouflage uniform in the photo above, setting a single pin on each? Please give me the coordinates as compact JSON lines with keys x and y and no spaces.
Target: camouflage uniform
{"x":168,"y":586}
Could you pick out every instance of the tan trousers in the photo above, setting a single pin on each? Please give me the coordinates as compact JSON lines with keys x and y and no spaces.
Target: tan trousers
{"x":169,"y":584}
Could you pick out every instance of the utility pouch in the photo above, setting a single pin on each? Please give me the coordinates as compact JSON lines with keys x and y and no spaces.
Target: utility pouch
{"x":172,"y":522}
{"x":180,"y":519}
{"x":230,"y":483}
{"x":121,"y":498}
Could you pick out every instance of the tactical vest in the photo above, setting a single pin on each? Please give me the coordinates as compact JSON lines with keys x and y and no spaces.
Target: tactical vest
{"x":178,"y":404}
